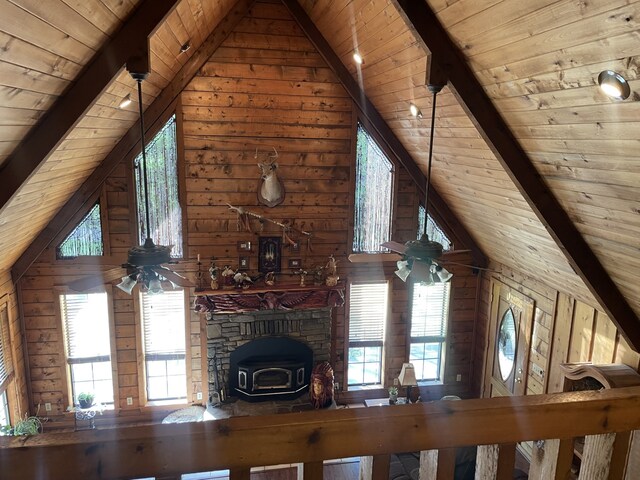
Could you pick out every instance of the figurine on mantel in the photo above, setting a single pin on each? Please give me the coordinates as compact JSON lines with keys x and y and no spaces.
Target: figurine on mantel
{"x":242,"y":280}
{"x":302,"y":274}
{"x":270,"y":279}
{"x":213,"y":273}
{"x":227,"y":278}
{"x":332,"y":272}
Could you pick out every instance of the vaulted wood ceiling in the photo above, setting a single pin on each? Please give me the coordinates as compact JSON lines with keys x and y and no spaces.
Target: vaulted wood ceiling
{"x":537,"y":61}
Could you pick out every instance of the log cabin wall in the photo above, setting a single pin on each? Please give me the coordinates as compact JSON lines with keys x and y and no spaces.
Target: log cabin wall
{"x":266,"y":87}
{"x":564,"y":330}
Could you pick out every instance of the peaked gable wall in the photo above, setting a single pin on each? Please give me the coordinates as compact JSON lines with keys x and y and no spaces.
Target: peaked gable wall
{"x":265,"y":87}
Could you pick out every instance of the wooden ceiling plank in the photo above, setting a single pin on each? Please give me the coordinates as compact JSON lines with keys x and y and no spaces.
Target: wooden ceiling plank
{"x":68,"y":110}
{"x":443,"y":212}
{"x":91,"y":187}
{"x":511,"y":155}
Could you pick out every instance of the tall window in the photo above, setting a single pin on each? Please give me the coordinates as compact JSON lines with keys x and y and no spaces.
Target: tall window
{"x":165,"y":213}
{"x":434,"y":231}
{"x":85,"y":318}
{"x":373,"y":195}
{"x":4,"y":410}
{"x":429,"y":315}
{"x":367,"y":319}
{"x":85,"y":239}
{"x":4,"y":367}
{"x":163,"y":322}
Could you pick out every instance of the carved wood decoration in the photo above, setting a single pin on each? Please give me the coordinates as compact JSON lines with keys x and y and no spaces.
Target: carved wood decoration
{"x":283,"y":298}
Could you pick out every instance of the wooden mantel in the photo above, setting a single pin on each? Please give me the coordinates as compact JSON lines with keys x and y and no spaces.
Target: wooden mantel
{"x":279,"y":297}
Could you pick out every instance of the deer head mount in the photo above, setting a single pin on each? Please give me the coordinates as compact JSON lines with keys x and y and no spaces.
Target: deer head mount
{"x":270,"y":189}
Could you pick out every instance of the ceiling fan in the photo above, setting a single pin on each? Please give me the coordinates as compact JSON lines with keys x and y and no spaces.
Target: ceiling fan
{"x":145,"y":262}
{"x":421,"y":258}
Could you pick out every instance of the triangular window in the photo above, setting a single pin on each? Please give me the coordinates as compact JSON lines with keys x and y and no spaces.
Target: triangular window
{"x":85,"y":239}
{"x":435,"y":233}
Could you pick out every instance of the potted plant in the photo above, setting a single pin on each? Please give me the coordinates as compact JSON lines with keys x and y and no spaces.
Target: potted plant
{"x":393,"y":395}
{"x":86,"y":399}
{"x":28,"y":426}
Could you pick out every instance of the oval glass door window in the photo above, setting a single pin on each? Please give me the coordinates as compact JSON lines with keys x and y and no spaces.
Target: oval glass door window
{"x":507,"y":344}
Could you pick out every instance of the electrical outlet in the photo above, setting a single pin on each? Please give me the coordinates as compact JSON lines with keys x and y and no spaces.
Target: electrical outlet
{"x":129,"y":400}
{"x":459,"y":377}
{"x":336,"y":386}
{"x":47,"y":407}
{"x":396,"y":382}
{"x":537,"y":369}
{"x":199,"y":396}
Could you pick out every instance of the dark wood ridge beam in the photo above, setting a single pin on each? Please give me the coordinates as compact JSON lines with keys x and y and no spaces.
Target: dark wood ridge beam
{"x":369,"y":111}
{"x":90,"y":189}
{"x":482,"y":112}
{"x":131,"y":40}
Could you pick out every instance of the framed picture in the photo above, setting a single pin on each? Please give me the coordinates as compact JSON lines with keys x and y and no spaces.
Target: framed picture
{"x":269,"y":251}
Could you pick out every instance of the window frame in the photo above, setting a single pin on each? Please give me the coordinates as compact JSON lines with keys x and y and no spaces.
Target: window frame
{"x":67,"y":377}
{"x":381,"y":144}
{"x":442,"y":340}
{"x":101,"y":215}
{"x":382,"y":344}
{"x":175,"y":109}
{"x":142,"y":367}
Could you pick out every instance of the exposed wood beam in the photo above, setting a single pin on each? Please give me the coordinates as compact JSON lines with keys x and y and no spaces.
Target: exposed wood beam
{"x":490,"y":124}
{"x":369,"y":111}
{"x":90,"y":189}
{"x":131,"y":40}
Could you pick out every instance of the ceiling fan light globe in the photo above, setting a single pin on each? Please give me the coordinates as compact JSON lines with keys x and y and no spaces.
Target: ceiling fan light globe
{"x":127,"y":284}
{"x":155,"y":286}
{"x":443,"y":274}
{"x":403,"y":270}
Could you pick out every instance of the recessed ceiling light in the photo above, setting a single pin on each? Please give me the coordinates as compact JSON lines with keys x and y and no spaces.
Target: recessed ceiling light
{"x":358,"y":58}
{"x":125,"y":102}
{"x":415,"y":111}
{"x":185,"y":47}
{"x":614,"y":85}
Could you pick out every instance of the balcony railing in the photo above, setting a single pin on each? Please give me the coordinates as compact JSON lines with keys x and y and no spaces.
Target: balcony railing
{"x":606,"y":417}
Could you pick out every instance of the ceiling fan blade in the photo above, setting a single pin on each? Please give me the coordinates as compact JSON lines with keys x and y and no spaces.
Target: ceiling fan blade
{"x":453,"y":252}
{"x":395,"y":247}
{"x":86,"y":283}
{"x":173,"y":276}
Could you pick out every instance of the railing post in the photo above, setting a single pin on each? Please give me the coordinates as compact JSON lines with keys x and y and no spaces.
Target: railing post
{"x":428,"y":464}
{"x":551,"y":459}
{"x":380,"y":470}
{"x":312,"y":471}
{"x":487,"y":462}
{"x":240,"y":474}
{"x":506,"y":461}
{"x":621,"y":448}
{"x":446,"y":463}
{"x":596,"y":456}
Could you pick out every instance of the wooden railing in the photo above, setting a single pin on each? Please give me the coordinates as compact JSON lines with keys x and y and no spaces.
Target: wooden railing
{"x":436,"y":428}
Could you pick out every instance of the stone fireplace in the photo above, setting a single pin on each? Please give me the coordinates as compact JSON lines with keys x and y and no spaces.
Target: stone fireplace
{"x":266,"y":372}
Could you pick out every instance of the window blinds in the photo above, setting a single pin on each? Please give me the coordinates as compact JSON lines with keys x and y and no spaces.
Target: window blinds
{"x":429,"y":310}
{"x":4,"y":367}
{"x":86,"y":322}
{"x":163,"y":319}
{"x":367,"y":311}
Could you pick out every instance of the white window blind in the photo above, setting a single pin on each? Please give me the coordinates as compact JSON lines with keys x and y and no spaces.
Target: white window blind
{"x":429,"y":310}
{"x":164,"y":324}
{"x":86,"y":322}
{"x":4,"y":367}
{"x":367,"y":311}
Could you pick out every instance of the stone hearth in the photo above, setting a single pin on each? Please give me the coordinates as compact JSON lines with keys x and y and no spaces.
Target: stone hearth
{"x":226,"y":332}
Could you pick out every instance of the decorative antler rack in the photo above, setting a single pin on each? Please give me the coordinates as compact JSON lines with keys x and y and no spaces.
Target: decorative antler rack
{"x":243,"y":223}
